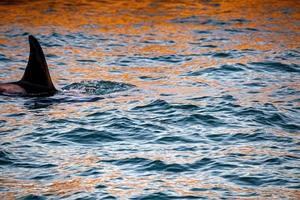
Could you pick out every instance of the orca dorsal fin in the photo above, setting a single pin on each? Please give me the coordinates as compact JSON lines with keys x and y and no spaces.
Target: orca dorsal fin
{"x":37,"y":73}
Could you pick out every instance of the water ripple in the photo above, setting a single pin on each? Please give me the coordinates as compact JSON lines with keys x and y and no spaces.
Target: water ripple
{"x":157,"y":100}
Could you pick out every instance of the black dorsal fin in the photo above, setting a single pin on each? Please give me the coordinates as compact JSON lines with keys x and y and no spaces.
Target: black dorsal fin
{"x":37,"y":73}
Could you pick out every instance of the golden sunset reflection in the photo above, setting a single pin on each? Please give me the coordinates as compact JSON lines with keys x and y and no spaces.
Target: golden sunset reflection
{"x":167,"y":50}
{"x":135,"y":186}
{"x":115,"y":179}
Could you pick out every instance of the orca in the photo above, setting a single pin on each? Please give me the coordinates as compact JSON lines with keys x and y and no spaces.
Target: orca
{"x":36,"y":80}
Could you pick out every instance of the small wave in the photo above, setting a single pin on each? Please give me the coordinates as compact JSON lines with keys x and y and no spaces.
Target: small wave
{"x":197,"y":20}
{"x":34,"y":165}
{"x":172,"y":58}
{"x":153,"y":106}
{"x":201,"y":163}
{"x":143,"y":164}
{"x":163,"y":196}
{"x":232,"y":53}
{"x":148,"y":78}
{"x":240,"y":20}
{"x":86,"y":61}
{"x":251,"y":111}
{"x":180,"y":114}
{"x":222,"y":166}
{"x":274,"y":66}
{"x":164,"y":106}
{"x":98,"y":87}
{"x":4,"y":59}
{"x":189,"y":107}
{"x":5,"y":158}
{"x":222,"y":55}
{"x":158,"y":165}
{"x":209,"y":46}
{"x":88,"y":136}
{"x":46,"y":102}
{"x":132,"y":128}
{"x":2,"y":123}
{"x":122,"y":123}
{"x":256,"y":179}
{"x":255,"y":85}
{"x":270,"y":118}
{"x":129,"y":161}
{"x":291,"y":54}
{"x":248,"y":137}
{"x":174,"y":139}
{"x":279,"y":120}
{"x":245,"y":180}
{"x":234,"y":30}
{"x":136,"y":60}
{"x":204,"y":119}
{"x":251,"y":29}
{"x":33,"y":196}
{"x":223,"y":69}
{"x":202,"y":32}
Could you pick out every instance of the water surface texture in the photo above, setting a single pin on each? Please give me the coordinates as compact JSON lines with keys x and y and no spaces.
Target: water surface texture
{"x":159,"y":100}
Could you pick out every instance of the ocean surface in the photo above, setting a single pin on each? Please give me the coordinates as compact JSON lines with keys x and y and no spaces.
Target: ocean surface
{"x":158,"y":100}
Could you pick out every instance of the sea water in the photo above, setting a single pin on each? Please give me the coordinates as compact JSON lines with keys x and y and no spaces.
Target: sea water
{"x":158,"y":100}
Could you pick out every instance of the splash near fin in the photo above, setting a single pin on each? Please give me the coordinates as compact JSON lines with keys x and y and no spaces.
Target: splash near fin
{"x":36,"y":78}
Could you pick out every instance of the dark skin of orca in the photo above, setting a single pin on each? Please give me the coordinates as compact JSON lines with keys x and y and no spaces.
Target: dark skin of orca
{"x":36,"y":80}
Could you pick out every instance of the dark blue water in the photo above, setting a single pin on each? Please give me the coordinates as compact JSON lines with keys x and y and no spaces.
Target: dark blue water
{"x":158,"y":100}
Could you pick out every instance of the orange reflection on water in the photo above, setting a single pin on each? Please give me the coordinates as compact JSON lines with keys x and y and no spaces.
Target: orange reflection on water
{"x":135,"y":186}
{"x":258,"y":151}
{"x":143,"y":19}
{"x":126,"y":186}
{"x":62,"y":188}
